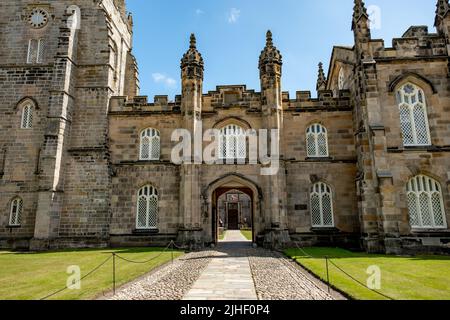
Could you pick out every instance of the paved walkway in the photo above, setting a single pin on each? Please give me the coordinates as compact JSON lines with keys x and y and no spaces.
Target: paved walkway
{"x":234,"y":236}
{"x":232,"y":271}
{"x":226,"y":277}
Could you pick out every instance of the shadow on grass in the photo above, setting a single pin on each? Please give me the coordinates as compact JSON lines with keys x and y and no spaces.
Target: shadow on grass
{"x":338,"y":253}
{"x":93,"y":250}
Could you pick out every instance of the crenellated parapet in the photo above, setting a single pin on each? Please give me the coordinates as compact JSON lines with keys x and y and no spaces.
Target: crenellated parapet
{"x":326,"y":101}
{"x":140,"y":104}
{"x":415,"y":42}
{"x":232,"y":97}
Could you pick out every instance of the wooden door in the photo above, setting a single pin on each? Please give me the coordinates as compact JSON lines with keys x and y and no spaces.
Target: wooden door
{"x":233,"y":216}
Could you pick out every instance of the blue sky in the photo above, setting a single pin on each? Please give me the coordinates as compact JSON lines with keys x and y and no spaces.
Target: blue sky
{"x":231,"y":35}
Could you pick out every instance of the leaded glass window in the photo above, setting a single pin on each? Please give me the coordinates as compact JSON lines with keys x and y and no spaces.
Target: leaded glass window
{"x":27,"y":117}
{"x":150,"y":145}
{"x":232,"y":143}
{"x":425,"y":203}
{"x":317,"y":141}
{"x":147,"y":208}
{"x":15,"y":215}
{"x":321,"y":202}
{"x":413,"y":116}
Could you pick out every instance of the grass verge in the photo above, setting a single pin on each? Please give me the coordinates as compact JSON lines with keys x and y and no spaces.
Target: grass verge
{"x":32,"y":276}
{"x":402,"y":278}
{"x":247,"y":234}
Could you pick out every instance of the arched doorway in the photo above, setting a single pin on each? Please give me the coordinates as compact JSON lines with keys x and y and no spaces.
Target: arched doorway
{"x":234,"y":210}
{"x":238,"y":188}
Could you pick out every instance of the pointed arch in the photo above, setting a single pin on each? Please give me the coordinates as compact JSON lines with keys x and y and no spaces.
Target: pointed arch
{"x":231,"y":178}
{"x":414,"y":77}
{"x":232,"y":120}
{"x":27,"y":100}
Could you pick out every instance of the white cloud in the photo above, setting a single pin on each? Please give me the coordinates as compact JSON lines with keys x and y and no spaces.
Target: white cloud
{"x":162,"y":78}
{"x":233,"y":15}
{"x":199,"y":12}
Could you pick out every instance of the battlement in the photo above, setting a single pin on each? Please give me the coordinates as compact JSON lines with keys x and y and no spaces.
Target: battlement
{"x":415,"y":42}
{"x":242,"y":98}
{"x":161,"y":103}
{"x":325,"y":101}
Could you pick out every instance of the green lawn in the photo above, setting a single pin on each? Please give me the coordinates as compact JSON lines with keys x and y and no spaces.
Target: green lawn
{"x":402,"y":278}
{"x":247,"y":234}
{"x":35,"y":275}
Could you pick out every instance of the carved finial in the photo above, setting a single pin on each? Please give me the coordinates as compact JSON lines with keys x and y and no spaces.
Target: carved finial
{"x":359,"y":10}
{"x":192,"y":57}
{"x":193,"y":42}
{"x":270,"y":54}
{"x":269,"y":40}
{"x":442,"y":9}
{"x":321,"y":79}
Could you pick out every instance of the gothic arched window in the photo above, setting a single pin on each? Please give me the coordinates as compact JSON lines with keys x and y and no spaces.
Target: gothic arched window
{"x":27,"y":116}
{"x":232,"y":143}
{"x":321,"y":201}
{"x":317,"y":141}
{"x":425,"y":203}
{"x":15,"y":213}
{"x":150,"y":145}
{"x":147,"y":208}
{"x":413,"y":116}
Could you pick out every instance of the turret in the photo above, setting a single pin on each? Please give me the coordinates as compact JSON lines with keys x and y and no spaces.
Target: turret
{"x":192,"y":67}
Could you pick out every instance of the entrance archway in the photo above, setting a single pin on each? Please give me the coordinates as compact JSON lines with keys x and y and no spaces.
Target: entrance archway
{"x":234,"y":184}
{"x":234,"y":209}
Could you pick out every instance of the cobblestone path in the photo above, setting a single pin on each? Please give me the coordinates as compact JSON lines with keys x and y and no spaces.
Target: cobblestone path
{"x":233,"y":271}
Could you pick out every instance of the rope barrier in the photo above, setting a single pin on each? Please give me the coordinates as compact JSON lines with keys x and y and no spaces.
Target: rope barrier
{"x":113,"y":256}
{"x":82,"y":278}
{"x":343,"y":271}
{"x":359,"y":282}
{"x":146,"y":261}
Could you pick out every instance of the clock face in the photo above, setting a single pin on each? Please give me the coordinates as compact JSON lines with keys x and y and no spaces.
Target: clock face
{"x":38,"y":18}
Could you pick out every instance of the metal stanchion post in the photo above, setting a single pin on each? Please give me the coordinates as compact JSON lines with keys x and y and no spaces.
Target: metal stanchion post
{"x":328,"y":274}
{"x":114,"y":273}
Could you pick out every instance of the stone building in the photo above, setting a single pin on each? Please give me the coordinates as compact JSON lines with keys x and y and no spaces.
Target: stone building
{"x":86,"y":161}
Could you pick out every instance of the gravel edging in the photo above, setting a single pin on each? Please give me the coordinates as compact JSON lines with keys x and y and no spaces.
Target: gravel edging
{"x":277,"y":279}
{"x":170,"y":282}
